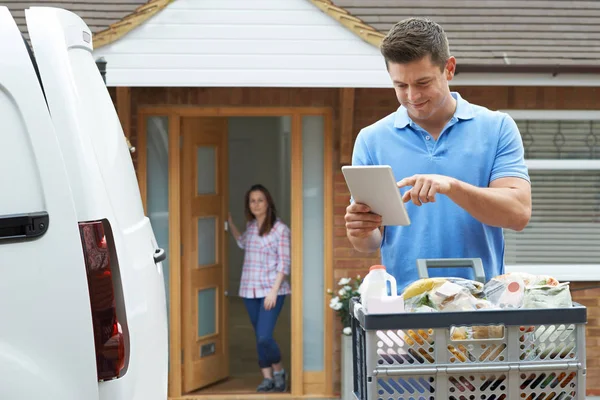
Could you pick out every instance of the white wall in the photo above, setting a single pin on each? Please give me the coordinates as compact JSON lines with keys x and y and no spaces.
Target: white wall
{"x":242,"y":43}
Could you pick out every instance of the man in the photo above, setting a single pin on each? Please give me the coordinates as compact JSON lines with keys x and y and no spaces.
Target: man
{"x":460,"y":165}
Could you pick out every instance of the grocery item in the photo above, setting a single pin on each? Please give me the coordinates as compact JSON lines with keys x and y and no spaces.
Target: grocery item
{"x":546,"y":296}
{"x":443,"y":294}
{"x":530,"y":279}
{"x":505,"y":291}
{"x":374,"y":292}
{"x":508,"y":291}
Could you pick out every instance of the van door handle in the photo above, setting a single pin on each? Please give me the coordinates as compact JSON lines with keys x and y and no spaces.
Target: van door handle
{"x":159,"y":255}
{"x":23,"y":226}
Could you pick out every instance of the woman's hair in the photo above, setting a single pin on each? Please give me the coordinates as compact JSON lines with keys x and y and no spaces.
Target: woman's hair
{"x":271,"y":216}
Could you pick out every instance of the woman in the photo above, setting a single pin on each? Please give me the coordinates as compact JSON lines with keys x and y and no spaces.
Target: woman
{"x":263,"y":287}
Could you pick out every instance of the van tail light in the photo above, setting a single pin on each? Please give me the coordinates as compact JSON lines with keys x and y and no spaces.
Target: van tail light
{"x":108,"y":335}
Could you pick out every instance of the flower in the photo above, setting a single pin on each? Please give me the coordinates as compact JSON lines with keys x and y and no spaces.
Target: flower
{"x":340,"y":300}
{"x":344,"y":281}
{"x":335,"y":304}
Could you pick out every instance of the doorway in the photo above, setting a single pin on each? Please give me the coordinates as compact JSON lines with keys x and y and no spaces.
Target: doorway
{"x":163,"y":145}
{"x":258,"y":152}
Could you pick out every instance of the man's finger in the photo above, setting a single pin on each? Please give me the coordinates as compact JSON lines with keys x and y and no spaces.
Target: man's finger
{"x":423,"y":193}
{"x":432,"y":193}
{"x":360,"y":233}
{"x":358,"y":208}
{"x":372,"y":217}
{"x":363,"y":224}
{"x":414,"y":192}
{"x":407,"y":182}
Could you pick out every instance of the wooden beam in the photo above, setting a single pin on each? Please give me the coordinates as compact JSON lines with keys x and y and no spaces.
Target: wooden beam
{"x":297,"y":356}
{"x":124,"y":109}
{"x":175,"y":328}
{"x":357,"y":26}
{"x":130,"y":22}
{"x":346,"y":125}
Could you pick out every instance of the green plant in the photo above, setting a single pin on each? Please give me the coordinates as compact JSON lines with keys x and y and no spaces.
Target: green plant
{"x":340,"y":300}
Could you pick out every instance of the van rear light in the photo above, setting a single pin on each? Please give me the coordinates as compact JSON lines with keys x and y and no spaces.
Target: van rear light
{"x":108,"y":336}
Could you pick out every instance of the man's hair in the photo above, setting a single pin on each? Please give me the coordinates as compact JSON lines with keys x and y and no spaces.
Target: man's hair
{"x":414,"y":38}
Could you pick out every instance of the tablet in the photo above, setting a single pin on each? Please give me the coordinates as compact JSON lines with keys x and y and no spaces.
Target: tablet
{"x":375,"y":186}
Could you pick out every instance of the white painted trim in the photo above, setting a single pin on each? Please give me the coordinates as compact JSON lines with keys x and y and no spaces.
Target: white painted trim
{"x":563,"y":165}
{"x":563,"y":115}
{"x":563,"y":272}
{"x":524,"y":79}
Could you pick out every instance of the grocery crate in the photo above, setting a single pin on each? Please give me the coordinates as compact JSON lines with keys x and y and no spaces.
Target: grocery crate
{"x":510,"y":354}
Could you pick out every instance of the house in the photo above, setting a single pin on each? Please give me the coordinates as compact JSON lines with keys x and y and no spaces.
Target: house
{"x":216,"y":94}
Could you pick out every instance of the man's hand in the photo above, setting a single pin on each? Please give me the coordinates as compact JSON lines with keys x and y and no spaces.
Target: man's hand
{"x":425,"y":187}
{"x":360,"y":221}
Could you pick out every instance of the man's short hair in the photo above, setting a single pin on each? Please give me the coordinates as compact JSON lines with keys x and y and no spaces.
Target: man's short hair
{"x":414,"y":38}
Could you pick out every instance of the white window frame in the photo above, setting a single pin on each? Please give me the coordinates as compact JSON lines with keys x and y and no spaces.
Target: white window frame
{"x":562,"y":272}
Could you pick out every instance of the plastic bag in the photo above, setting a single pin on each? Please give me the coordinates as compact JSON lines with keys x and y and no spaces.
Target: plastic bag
{"x":546,"y":296}
{"x":505,"y":291}
{"x":531,"y":279}
{"x":451,"y":294}
{"x":452,"y":297}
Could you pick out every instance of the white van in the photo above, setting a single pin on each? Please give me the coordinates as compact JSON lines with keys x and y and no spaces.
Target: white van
{"x":82,"y":301}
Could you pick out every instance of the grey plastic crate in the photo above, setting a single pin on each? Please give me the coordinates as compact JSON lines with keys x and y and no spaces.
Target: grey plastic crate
{"x":510,"y":354}
{"x":536,"y":354}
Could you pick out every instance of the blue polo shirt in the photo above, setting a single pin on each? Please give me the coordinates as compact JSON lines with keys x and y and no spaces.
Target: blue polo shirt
{"x":476,"y":146}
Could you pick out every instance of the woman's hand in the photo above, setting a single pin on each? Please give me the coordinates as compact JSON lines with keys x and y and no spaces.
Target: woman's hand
{"x":232,"y":228}
{"x":270,"y":300}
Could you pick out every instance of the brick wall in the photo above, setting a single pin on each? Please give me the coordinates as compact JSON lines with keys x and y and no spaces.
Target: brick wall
{"x":371,"y":105}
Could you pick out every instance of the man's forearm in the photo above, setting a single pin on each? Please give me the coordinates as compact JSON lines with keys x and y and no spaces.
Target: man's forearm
{"x":501,"y":207}
{"x":368,"y":244}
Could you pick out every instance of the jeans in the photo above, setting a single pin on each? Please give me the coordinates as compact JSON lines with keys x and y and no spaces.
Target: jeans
{"x":263,"y":322}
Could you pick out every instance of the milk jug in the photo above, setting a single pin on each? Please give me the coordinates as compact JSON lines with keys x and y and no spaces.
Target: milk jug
{"x":374,"y":292}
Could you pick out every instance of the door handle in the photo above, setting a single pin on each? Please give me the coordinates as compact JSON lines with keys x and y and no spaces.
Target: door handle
{"x":23,"y":226}
{"x":159,"y":255}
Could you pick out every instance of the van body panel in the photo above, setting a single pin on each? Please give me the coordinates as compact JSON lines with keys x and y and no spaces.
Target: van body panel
{"x":104,"y":184}
{"x":45,"y":346}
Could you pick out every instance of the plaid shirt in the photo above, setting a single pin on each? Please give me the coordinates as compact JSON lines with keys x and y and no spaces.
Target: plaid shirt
{"x":264,"y":257}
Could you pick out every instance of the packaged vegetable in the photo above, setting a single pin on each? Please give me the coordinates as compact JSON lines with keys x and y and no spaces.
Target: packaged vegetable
{"x":546,"y":296}
{"x":505,"y":291}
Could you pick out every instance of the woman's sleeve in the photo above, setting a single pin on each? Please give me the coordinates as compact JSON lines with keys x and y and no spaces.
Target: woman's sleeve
{"x":283,"y":251}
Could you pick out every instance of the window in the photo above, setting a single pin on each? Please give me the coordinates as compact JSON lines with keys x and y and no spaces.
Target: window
{"x":562,"y":152}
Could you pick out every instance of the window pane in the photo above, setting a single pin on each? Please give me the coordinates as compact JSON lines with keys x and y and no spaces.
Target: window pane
{"x":312,"y":242}
{"x":560,"y":139}
{"x":565,"y":221}
{"x":206,"y":170}
{"x":157,"y":183}
{"x":206,"y":241}
{"x":207,"y":313}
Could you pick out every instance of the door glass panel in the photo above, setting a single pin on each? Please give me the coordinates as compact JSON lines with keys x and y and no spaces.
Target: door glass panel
{"x":206,"y":241}
{"x":157,"y":183}
{"x":207,"y":313}
{"x":206,"y":171}
{"x":312,"y":242}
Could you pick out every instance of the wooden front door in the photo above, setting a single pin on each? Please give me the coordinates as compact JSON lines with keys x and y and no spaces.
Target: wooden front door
{"x":204,"y":205}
